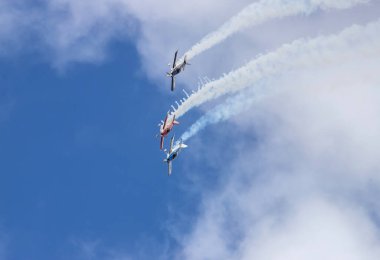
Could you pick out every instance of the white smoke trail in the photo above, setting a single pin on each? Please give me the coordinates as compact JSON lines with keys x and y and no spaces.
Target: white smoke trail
{"x":352,"y":43}
{"x":321,"y":50}
{"x":262,"y":11}
{"x":232,"y":106}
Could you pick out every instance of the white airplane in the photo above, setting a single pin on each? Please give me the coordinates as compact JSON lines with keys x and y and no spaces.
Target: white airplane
{"x":173,"y":153}
{"x":176,"y":69}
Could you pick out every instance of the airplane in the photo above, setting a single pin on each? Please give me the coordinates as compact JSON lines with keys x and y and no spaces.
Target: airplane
{"x":166,"y":127}
{"x":176,"y":69}
{"x":173,"y":153}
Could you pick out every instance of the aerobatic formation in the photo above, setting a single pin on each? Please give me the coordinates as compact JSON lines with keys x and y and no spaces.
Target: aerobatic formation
{"x":169,"y":122}
{"x":352,"y":43}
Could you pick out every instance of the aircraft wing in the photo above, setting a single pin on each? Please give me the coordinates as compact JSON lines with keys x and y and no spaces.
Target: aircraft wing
{"x":169,"y":168}
{"x":175,"y":58}
{"x":166,"y":119}
{"x":173,"y":83}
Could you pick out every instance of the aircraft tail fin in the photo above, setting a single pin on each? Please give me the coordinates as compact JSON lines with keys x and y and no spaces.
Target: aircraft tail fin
{"x":181,"y":144}
{"x":174,"y":121}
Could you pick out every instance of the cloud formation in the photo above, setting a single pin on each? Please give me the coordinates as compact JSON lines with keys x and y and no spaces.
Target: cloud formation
{"x":305,"y":189}
{"x":69,"y":31}
{"x":63,"y":31}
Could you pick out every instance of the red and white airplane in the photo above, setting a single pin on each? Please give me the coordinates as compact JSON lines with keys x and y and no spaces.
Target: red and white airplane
{"x":166,"y":127}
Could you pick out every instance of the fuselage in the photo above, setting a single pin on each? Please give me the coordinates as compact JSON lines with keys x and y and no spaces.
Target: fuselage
{"x":177,"y":69}
{"x":166,"y":128}
{"x":165,"y":131}
{"x":171,"y":156}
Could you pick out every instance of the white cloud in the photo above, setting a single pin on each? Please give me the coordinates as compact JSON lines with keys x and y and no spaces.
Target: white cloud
{"x":64,"y":31}
{"x":163,"y":35}
{"x":315,"y":230}
{"x":81,"y":30}
{"x":67,"y":31}
{"x":303,"y":190}
{"x":13,"y":20}
{"x":306,"y":228}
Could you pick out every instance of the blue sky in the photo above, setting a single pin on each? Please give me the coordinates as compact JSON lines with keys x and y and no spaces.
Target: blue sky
{"x":80,"y":160}
{"x":83,"y":87}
